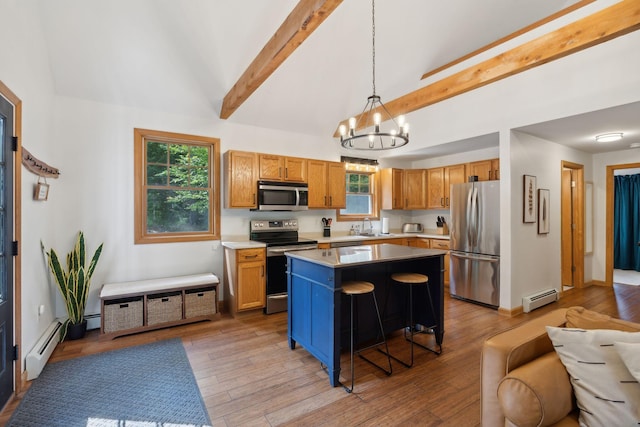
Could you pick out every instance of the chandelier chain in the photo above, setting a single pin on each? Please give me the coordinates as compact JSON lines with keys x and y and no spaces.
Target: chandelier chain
{"x":373,"y":43}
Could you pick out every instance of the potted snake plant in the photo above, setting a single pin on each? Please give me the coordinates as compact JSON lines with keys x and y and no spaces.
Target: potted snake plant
{"x":73,"y":284}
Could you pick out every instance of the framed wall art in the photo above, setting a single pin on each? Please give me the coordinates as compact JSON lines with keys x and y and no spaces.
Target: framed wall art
{"x":543,"y":211}
{"x":529,"y":199}
{"x":41,"y":191}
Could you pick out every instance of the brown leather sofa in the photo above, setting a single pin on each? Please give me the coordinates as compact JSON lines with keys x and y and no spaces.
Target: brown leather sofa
{"x":523,"y":382}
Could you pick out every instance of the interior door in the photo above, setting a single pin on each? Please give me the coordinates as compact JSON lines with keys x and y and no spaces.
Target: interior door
{"x":572,"y":224}
{"x":6,"y":256}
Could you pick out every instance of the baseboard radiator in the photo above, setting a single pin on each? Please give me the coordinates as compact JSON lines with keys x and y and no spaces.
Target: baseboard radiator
{"x":38,"y":356}
{"x":539,"y":299}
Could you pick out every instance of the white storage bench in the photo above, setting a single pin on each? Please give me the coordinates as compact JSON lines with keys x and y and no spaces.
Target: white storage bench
{"x":142,"y":305}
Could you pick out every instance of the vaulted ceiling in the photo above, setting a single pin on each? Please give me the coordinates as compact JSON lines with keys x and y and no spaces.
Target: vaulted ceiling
{"x":184,"y":56}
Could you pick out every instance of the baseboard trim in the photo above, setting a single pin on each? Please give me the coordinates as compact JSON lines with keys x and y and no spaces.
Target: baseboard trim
{"x":510,"y":312}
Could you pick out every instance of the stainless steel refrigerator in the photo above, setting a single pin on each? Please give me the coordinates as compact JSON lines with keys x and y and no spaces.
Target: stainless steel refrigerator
{"x":475,"y":242}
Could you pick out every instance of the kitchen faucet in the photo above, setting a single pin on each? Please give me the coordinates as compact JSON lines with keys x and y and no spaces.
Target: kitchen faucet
{"x":367,"y":230}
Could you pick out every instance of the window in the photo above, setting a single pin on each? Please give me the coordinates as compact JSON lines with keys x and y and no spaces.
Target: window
{"x":176,"y":187}
{"x":361,"y":196}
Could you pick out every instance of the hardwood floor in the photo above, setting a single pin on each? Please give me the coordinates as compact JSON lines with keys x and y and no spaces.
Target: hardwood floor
{"x":248,"y":376}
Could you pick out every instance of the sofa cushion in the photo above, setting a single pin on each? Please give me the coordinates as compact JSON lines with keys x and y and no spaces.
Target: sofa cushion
{"x":537,"y":393}
{"x":580,"y":317}
{"x":606,"y":393}
{"x":630,"y":355}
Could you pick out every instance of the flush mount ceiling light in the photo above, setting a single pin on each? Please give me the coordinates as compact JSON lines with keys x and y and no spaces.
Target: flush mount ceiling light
{"x":609,"y":137}
{"x":634,"y":145}
{"x":372,"y":115}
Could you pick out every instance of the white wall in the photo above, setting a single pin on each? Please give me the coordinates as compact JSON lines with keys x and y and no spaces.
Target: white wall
{"x":24,"y":69}
{"x":536,"y":258}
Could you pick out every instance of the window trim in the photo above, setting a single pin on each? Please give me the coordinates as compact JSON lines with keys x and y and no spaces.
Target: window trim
{"x":140,"y":202}
{"x":375,"y":193}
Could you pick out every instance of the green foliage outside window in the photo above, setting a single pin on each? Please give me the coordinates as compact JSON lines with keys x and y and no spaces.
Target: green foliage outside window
{"x":177,"y":187}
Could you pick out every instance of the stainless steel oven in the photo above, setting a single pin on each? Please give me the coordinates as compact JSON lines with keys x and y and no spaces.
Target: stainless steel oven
{"x":280,"y":236}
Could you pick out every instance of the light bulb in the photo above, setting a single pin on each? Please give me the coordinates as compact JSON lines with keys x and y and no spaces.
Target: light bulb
{"x":352,"y":123}
{"x":343,"y":130}
{"x":405,"y":129}
{"x":401,"y":120}
{"x":376,"y":119}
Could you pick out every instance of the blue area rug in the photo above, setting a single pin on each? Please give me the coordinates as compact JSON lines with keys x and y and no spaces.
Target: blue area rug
{"x":146,"y":385}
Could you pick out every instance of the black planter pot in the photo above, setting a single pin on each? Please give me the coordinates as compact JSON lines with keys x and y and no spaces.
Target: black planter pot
{"x":76,"y":331}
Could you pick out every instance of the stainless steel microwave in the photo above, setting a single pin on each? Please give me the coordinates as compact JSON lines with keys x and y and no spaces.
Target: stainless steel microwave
{"x":282,"y":196}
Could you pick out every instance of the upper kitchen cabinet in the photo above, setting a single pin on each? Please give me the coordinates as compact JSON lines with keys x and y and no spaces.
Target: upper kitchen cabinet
{"x":439,"y":182}
{"x":281,"y":168}
{"x":415,"y":189}
{"x":327,"y":184}
{"x":485,"y":170}
{"x":241,"y":174}
{"x":392,"y":188}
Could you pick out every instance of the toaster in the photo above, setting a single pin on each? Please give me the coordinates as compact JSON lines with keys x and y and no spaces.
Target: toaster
{"x":412,"y":227}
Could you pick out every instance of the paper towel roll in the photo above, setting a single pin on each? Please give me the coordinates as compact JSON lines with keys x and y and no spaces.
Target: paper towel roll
{"x":385,"y":226}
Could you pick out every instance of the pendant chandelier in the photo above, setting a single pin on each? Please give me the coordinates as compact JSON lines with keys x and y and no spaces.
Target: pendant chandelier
{"x":373,"y":115}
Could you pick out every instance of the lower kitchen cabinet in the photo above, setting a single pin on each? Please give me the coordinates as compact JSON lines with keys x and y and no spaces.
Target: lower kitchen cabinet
{"x":245,"y":279}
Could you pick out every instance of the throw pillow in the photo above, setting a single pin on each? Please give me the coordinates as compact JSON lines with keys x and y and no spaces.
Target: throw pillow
{"x":606,"y":393}
{"x":630,"y":354}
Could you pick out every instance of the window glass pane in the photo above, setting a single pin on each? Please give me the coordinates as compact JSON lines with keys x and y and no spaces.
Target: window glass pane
{"x":199,"y":156}
{"x":156,"y":152}
{"x":179,"y":154}
{"x":179,"y":176}
{"x":199,"y":177}
{"x":358,"y":204}
{"x":156,"y":175}
{"x":177,"y":211}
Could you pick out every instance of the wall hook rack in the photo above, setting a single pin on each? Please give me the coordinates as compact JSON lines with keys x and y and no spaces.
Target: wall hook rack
{"x":38,"y":167}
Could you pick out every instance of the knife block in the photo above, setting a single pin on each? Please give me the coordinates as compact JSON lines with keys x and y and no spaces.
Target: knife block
{"x":444,"y":230}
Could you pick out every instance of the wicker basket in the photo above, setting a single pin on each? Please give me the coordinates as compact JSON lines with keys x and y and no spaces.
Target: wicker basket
{"x":199,"y":302}
{"x":121,"y":314}
{"x":163,"y":308}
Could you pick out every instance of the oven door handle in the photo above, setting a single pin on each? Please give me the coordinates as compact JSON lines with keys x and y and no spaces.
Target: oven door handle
{"x":278,"y":296}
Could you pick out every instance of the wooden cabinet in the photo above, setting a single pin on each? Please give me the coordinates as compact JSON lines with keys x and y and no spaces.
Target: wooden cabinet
{"x":403,"y":188}
{"x":392,"y":188}
{"x":485,"y":170}
{"x":246,"y":286}
{"x":415,"y":189}
{"x":420,"y":242}
{"x":241,"y":179}
{"x":444,"y":245}
{"x":439,"y":185}
{"x":281,"y":168}
{"x":327,"y":184}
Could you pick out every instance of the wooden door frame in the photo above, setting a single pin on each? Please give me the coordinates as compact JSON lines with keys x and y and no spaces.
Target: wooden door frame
{"x":17,"y":235}
{"x":609,"y":221}
{"x":578,"y":236}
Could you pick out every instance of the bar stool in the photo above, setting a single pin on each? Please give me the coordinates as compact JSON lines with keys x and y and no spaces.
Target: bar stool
{"x":353,"y":289}
{"x":410,"y":280}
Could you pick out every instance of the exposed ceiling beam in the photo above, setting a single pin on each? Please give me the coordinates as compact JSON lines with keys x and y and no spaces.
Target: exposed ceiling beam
{"x":506,"y":38}
{"x":614,"y":21}
{"x":301,"y":22}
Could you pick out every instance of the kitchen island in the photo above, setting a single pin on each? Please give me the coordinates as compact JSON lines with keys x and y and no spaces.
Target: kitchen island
{"x":316,"y":309}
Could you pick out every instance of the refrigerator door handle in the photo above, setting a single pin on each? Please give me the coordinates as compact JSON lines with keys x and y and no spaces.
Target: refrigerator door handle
{"x":474,"y":217}
{"x":474,"y":257}
{"x":468,"y":214}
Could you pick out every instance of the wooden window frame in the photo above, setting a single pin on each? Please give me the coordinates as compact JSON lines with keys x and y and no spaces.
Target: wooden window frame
{"x":375,"y":194}
{"x":141,"y":136}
